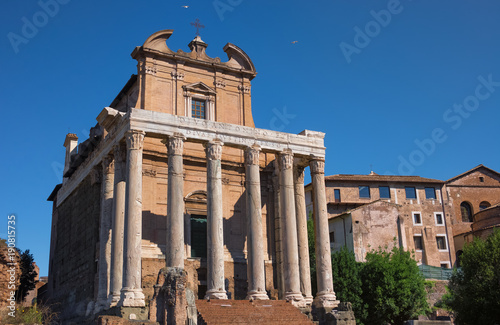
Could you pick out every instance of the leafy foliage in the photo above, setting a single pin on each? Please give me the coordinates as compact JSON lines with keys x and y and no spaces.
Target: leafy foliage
{"x":393,"y":288}
{"x":347,"y":282}
{"x":28,"y":275}
{"x":475,"y":288}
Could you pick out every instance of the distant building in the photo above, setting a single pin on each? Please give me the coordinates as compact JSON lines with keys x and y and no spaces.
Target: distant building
{"x":371,"y":211}
{"x":470,"y":194}
{"x":432,"y":217}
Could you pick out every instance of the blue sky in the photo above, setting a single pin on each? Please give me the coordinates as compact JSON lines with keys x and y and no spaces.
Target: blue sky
{"x":407,"y":87}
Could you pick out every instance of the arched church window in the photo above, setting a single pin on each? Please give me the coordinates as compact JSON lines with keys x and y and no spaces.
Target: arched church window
{"x":484,"y":205}
{"x":466,"y":210}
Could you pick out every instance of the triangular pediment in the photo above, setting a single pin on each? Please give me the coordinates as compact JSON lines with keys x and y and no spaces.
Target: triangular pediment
{"x":480,"y":175}
{"x":199,"y":87}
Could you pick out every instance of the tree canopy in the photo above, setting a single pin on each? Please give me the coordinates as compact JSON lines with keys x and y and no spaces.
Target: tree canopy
{"x":475,"y":288}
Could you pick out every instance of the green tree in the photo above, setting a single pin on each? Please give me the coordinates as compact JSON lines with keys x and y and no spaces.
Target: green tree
{"x":475,"y":288}
{"x":347,"y":282}
{"x":393,"y":289}
{"x":28,"y":275}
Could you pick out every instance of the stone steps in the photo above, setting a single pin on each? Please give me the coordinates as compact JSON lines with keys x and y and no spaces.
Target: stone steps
{"x":273,"y":312}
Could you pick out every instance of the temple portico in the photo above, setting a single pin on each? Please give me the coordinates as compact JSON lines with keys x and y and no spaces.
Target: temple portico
{"x":292,"y":152}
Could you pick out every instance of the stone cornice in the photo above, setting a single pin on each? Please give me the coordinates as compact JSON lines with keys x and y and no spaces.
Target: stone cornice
{"x":160,"y":124}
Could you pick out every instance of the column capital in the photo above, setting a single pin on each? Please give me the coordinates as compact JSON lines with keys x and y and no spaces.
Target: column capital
{"x":213,"y":149}
{"x":120,"y":152}
{"x":252,"y":155}
{"x":175,"y":144}
{"x":317,"y":165}
{"x":108,"y":164}
{"x":298,"y":174}
{"x":135,"y":139}
{"x":286,"y":159}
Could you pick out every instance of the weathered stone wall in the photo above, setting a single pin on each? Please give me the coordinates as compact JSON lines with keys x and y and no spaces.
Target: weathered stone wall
{"x":74,"y":263}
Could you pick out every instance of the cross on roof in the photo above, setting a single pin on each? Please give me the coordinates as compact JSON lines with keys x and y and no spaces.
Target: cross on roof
{"x":197,"y":25}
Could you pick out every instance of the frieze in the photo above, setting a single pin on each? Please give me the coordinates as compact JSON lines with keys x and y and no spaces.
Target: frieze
{"x":245,"y":89}
{"x":177,"y":75}
{"x":149,"y":172}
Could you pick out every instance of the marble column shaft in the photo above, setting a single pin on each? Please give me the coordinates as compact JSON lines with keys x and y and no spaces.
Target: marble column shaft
{"x":131,"y":293}
{"x":175,"y":203}
{"x":255,"y":244}
{"x":325,"y":296}
{"x":289,"y":233}
{"x":215,"y":237}
{"x":300,"y":208}
{"x":105,"y":232}
{"x":120,"y":152}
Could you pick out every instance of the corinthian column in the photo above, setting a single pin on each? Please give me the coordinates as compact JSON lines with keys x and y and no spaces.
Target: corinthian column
{"x":289,"y":233}
{"x":175,"y":204}
{"x":120,"y":152}
{"x":255,"y":268}
{"x":105,"y":233}
{"x":300,"y":208}
{"x":325,"y":297}
{"x":131,"y":293}
{"x":215,"y":240}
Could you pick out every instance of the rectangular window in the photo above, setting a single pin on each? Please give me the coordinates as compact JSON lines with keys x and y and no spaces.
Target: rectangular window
{"x":417,"y":218}
{"x":198,"y":108}
{"x":439,"y":218}
{"x":332,"y":237}
{"x":411,"y":193}
{"x":384,"y":192}
{"x":336,"y":193}
{"x":430,"y":193}
{"x":417,"y":240}
{"x":441,"y":243}
{"x":364,"y":192}
{"x":445,"y":265}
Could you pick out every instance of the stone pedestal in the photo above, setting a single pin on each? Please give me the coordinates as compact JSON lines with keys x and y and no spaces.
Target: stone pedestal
{"x":215,"y":238}
{"x":300,"y":208}
{"x":289,"y":233}
{"x":116,"y":282}
{"x":104,"y":263}
{"x":325,"y":298}
{"x":131,"y":293}
{"x":255,"y":267}
{"x":175,"y":205}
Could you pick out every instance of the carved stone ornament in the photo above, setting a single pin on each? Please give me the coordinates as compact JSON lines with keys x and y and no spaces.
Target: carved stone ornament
{"x":317,"y":166}
{"x":220,"y":83}
{"x":214,"y":150}
{"x":108,"y":165}
{"x":177,"y":75}
{"x":149,"y":172}
{"x":175,"y":144}
{"x":135,"y":139}
{"x":252,"y":155}
{"x":286,"y":159}
{"x":244,"y":89}
{"x":150,"y":70}
{"x":225,"y":180}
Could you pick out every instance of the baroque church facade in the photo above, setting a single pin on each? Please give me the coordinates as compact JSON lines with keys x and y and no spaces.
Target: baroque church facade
{"x":176,"y":174}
